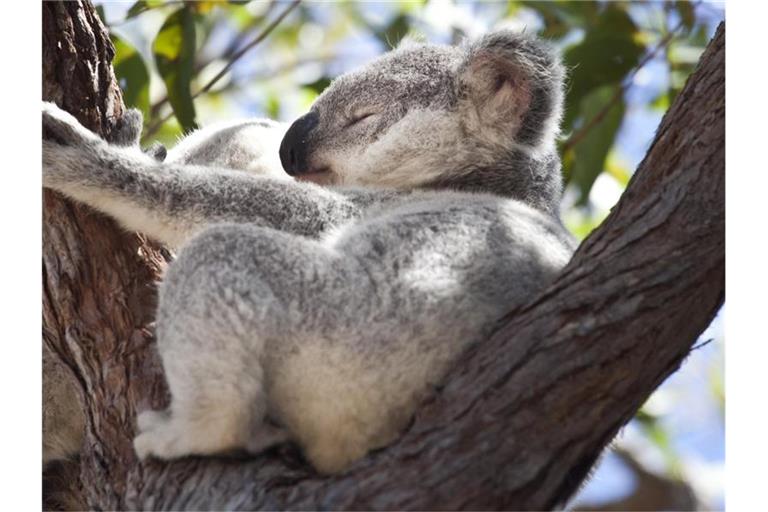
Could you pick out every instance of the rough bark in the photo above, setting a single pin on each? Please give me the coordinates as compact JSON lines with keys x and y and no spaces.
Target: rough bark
{"x":522,"y":417}
{"x":98,"y":291}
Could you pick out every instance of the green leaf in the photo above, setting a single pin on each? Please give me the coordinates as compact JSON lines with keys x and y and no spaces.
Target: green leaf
{"x":661,"y":102}
{"x":102,"y":15}
{"x":174,"y":51}
{"x":561,"y":17}
{"x":142,"y":6}
{"x":169,"y":133}
{"x":203,"y":7}
{"x":686,"y":12}
{"x":132,"y":75}
{"x":319,"y":85}
{"x":397,"y":29}
{"x":581,"y":222}
{"x":591,"y":152}
{"x":272,"y":106}
{"x":608,"y":52}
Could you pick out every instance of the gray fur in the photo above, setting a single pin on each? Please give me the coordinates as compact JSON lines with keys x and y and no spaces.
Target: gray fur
{"x":324,"y":315}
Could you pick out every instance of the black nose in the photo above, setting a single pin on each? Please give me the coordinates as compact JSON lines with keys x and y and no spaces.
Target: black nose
{"x":293,"y":149}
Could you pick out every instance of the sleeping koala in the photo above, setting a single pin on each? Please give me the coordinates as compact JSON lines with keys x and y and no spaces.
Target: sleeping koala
{"x":324,"y":315}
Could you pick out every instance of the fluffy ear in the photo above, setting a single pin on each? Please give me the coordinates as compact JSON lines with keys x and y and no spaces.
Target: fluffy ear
{"x":513,"y":83}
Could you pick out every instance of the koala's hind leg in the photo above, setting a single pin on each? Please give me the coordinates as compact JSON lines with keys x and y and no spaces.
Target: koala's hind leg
{"x":230,"y":293}
{"x":214,"y":317}
{"x":218,"y":401}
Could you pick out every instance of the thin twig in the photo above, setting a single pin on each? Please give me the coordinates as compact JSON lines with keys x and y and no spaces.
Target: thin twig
{"x":247,"y":47}
{"x":264,"y":74}
{"x":152,"y":129}
{"x":702,"y":344}
{"x":621,"y":89}
{"x":154,"y":111}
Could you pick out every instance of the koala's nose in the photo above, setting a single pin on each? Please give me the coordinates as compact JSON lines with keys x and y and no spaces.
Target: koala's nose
{"x":293,"y":148}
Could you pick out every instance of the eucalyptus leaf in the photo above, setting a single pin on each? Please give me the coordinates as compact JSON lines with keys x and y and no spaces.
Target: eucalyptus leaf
{"x":686,"y":12}
{"x":142,"y":6}
{"x":397,"y":29}
{"x":319,"y":85}
{"x":591,"y":151}
{"x":608,"y":53}
{"x":102,"y":15}
{"x":174,"y":52}
{"x":132,"y":75}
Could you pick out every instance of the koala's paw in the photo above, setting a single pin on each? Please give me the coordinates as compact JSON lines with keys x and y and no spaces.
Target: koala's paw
{"x":160,"y":436}
{"x":167,"y":435}
{"x":127,"y":131}
{"x":62,"y":128}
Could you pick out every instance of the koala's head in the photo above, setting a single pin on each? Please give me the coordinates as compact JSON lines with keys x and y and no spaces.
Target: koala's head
{"x":479,"y":116}
{"x":246,"y":145}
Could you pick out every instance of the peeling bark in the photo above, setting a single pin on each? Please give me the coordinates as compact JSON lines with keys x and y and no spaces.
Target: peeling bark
{"x":522,"y":417}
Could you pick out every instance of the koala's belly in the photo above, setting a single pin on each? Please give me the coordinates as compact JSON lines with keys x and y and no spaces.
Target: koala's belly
{"x":327,"y":393}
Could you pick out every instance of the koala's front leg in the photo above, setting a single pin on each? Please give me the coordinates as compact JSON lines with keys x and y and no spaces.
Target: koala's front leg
{"x":115,"y":179}
{"x":172,"y":202}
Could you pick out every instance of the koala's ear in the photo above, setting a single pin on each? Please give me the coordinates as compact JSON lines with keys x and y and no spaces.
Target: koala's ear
{"x":512,"y":82}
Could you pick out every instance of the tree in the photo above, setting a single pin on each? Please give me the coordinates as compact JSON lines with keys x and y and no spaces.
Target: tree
{"x":519,"y":421}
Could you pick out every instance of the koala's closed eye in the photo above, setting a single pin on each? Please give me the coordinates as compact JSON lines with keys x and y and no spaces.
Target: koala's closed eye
{"x":357,"y":118}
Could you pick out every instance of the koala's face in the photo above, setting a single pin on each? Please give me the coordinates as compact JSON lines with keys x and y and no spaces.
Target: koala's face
{"x":422,"y":113}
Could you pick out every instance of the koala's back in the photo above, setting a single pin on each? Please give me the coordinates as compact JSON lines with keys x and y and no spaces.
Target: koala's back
{"x":418,"y":282}
{"x":448,"y":264}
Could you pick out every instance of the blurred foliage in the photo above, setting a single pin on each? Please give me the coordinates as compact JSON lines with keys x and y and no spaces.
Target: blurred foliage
{"x":167,"y":53}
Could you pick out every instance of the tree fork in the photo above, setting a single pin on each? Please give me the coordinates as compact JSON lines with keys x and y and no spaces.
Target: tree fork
{"x":522,"y":417}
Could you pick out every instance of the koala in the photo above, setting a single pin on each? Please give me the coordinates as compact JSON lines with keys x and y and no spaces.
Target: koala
{"x":323,"y":309}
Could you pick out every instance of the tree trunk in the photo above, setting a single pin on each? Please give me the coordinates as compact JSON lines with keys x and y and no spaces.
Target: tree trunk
{"x":520,"y":420}
{"x":98,"y":281}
